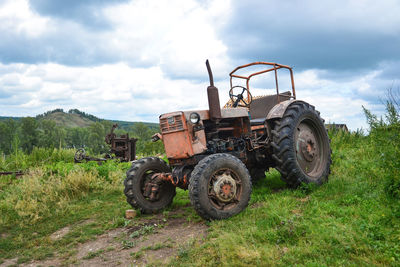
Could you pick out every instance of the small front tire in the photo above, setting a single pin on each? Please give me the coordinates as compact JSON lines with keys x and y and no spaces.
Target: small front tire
{"x":220,"y":187}
{"x":136,"y":178}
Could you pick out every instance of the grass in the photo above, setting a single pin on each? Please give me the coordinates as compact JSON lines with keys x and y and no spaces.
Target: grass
{"x":93,"y":254}
{"x":88,"y":198}
{"x":352,"y":220}
{"x":52,"y":197}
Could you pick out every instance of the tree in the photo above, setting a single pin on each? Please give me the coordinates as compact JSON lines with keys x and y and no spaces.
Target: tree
{"x":141,"y":131}
{"x":29,"y":133}
{"x":96,"y":137}
{"x":77,"y":137}
{"x":51,"y":135}
{"x":8,"y":130}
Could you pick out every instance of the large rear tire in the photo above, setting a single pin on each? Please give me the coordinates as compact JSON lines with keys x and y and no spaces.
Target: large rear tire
{"x":301,"y":146}
{"x":220,"y":187}
{"x":136,"y":178}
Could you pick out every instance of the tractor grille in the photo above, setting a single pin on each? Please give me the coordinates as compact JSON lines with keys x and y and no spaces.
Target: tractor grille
{"x":171,"y":124}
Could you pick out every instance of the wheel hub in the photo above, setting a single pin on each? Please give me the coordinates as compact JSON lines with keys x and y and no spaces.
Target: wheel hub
{"x":308,"y":147}
{"x":225,"y":187}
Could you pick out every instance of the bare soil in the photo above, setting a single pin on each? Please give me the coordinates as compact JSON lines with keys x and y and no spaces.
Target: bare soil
{"x":147,"y":240}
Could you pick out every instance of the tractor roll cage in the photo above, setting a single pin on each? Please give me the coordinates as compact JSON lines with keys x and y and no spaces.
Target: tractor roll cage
{"x":275,"y":67}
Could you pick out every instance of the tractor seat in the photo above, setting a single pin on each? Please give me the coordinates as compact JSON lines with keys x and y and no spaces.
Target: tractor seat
{"x":261,"y":106}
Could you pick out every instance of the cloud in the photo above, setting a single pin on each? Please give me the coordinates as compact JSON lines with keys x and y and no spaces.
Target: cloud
{"x":176,"y":35}
{"x":88,"y":13}
{"x":133,"y":60}
{"x":119,"y":91}
{"x":114,"y":91}
{"x":315,"y":34}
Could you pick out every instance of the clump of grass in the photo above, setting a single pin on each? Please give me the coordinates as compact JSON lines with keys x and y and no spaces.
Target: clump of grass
{"x":137,"y":255}
{"x":158,"y":246}
{"x":128,"y":244}
{"x":93,"y":254}
{"x":37,"y":196}
{"x":145,"y":230}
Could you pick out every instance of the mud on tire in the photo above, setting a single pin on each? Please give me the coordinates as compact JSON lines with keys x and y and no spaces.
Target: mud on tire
{"x":301,"y":146}
{"x":136,"y":177}
{"x":220,"y":187}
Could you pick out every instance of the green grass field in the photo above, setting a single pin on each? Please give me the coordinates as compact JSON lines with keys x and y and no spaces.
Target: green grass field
{"x":352,"y":220}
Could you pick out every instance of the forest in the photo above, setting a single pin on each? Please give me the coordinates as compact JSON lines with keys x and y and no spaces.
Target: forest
{"x":28,"y":133}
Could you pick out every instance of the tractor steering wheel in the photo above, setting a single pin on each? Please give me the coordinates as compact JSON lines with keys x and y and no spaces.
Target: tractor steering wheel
{"x":239,"y":100}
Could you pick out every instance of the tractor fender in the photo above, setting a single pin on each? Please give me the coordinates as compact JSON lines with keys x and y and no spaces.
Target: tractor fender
{"x":278,"y":110}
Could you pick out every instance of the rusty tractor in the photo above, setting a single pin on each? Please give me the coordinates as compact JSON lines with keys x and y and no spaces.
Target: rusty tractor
{"x":217,"y":153}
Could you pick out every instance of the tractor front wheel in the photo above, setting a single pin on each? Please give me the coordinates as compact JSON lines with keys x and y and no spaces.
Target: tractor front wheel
{"x":220,"y":187}
{"x":136,"y":180}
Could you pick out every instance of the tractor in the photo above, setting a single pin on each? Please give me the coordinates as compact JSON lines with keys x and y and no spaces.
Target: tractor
{"x":217,"y":153}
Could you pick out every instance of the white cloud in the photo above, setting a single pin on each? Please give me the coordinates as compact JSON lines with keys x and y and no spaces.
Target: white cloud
{"x":115,"y":91}
{"x":16,"y":16}
{"x":179,"y":35}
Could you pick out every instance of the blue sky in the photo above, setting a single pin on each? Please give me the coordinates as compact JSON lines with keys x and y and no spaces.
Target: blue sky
{"x":133,"y":60}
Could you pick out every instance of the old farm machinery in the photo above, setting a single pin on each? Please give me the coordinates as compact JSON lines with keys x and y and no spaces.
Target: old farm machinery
{"x":217,"y":153}
{"x":123,"y":147}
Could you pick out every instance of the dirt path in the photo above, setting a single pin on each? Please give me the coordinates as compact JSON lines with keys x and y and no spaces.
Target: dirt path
{"x":148,"y":240}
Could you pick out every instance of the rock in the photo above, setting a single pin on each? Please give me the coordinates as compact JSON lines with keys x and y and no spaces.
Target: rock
{"x":130,"y":214}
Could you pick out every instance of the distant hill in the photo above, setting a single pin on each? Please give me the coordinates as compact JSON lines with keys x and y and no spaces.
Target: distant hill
{"x":76,"y":118}
{"x":68,"y":120}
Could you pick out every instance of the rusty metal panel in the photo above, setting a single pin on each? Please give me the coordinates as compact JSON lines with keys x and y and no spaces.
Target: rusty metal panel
{"x":278,"y":111}
{"x":199,"y":142}
{"x":176,"y":137}
{"x":178,"y":145}
{"x":171,"y":123}
{"x":234,"y":112}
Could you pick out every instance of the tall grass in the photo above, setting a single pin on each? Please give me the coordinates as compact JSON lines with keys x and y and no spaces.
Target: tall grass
{"x":53,"y":195}
{"x":44,"y":192}
{"x":19,"y":160}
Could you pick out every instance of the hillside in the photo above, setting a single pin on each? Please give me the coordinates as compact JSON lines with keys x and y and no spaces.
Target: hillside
{"x":75,"y":118}
{"x":68,"y":120}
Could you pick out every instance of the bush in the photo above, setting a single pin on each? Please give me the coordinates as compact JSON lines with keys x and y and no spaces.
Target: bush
{"x":385,"y":137}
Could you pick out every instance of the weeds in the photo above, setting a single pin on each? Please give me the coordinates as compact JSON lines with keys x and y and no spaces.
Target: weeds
{"x":145,"y":230}
{"x":93,"y":254}
{"x":126,"y":244}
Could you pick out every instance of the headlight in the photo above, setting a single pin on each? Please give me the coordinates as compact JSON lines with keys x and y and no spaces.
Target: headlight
{"x":194,"y":117}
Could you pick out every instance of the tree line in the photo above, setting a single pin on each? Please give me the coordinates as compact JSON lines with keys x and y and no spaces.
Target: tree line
{"x":28,"y":132}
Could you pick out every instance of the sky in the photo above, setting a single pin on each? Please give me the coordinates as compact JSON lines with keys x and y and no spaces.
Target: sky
{"x":134,"y":60}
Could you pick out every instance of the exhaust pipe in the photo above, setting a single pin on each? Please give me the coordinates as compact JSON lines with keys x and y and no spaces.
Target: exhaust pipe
{"x":213,"y":97}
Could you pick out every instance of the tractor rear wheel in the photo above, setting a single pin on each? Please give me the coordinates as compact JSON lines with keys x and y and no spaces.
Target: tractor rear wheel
{"x":220,"y":187}
{"x":135,"y":183}
{"x":301,"y":146}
